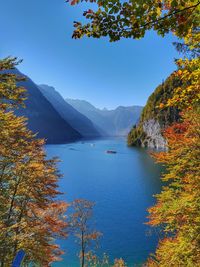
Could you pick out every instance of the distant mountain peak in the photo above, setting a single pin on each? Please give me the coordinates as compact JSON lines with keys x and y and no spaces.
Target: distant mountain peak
{"x":114,"y":122}
{"x":50,"y":87}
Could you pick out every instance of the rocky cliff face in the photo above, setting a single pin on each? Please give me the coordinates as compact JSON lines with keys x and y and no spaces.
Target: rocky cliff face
{"x":155,"y":118}
{"x":154,"y":138}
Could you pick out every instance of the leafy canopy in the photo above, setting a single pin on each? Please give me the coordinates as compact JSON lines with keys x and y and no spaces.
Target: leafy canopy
{"x":30,"y":215}
{"x":176,"y":212}
{"x":131,"y":19}
{"x":177,"y":209}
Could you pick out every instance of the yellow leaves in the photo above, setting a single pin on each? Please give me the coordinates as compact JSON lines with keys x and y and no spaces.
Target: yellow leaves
{"x":119,"y":263}
{"x":178,"y":17}
{"x":177,"y":207}
{"x":29,"y":214}
{"x":188,"y":94}
{"x":37,"y":167}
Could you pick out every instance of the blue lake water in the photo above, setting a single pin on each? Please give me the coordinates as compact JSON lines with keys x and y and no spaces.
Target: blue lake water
{"x":122,"y":186}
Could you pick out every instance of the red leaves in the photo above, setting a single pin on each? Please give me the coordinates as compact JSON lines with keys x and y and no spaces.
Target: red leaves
{"x":177,"y":207}
{"x":75,"y":2}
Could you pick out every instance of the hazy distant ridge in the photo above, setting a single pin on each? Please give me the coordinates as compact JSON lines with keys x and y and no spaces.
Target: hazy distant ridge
{"x":117,"y":122}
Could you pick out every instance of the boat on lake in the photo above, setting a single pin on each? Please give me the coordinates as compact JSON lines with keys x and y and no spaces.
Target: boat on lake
{"x":111,"y":152}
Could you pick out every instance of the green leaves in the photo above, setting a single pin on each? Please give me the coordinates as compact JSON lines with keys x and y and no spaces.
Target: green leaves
{"x":118,"y":19}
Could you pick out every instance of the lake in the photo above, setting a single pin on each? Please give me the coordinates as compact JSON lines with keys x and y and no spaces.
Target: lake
{"x":122,"y":185}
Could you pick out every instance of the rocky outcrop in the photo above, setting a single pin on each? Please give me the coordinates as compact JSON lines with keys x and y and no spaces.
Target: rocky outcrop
{"x":154,"y":138}
{"x":156,"y":117}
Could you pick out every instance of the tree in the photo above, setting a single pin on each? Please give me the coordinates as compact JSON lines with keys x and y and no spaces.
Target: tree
{"x":119,"y":263}
{"x":177,"y":210}
{"x":93,"y":260}
{"x":79,"y":223}
{"x":30,"y":215}
{"x":131,"y":19}
{"x":188,"y":94}
{"x":177,"y":207}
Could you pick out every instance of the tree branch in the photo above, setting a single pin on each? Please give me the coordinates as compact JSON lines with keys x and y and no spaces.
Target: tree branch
{"x":166,"y":16}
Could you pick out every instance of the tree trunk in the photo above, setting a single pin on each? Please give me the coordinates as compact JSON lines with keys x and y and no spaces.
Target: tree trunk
{"x":82,"y":250}
{"x":8,"y":220}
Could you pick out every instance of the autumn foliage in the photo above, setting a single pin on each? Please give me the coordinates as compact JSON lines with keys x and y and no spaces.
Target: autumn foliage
{"x":81,"y":228}
{"x":30,"y":215}
{"x":177,"y":211}
{"x":131,"y":19}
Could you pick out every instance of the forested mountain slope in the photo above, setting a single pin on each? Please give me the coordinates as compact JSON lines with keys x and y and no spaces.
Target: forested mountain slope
{"x":155,"y":117}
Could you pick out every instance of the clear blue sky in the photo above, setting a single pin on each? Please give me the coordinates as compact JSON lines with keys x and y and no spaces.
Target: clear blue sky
{"x":106,"y":74}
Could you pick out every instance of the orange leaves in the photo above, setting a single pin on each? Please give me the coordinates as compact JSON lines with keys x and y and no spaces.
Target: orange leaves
{"x":30,"y":215}
{"x":161,"y":105}
{"x":94,"y":235}
{"x":79,"y":222}
{"x":179,"y":73}
{"x":177,"y":207}
{"x":75,"y":2}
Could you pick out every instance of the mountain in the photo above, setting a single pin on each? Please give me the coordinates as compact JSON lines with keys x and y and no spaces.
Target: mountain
{"x":117,"y":122}
{"x":155,"y":118}
{"x":42,"y":117}
{"x":123,"y":118}
{"x":77,"y":120}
